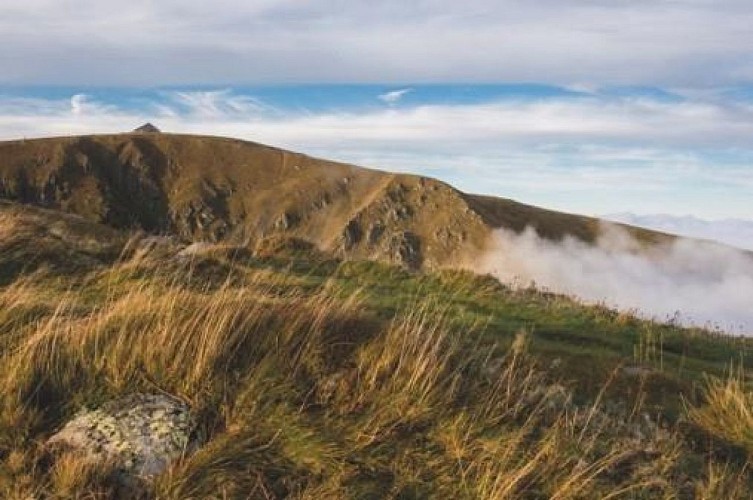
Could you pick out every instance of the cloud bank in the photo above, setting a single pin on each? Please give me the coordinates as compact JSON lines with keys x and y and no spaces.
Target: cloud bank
{"x":578,"y":42}
{"x":697,"y":282}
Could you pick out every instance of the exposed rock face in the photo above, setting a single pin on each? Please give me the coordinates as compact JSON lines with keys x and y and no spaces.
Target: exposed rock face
{"x":141,"y":434}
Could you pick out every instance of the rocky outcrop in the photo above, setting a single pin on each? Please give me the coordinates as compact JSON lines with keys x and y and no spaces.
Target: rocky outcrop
{"x":141,"y":434}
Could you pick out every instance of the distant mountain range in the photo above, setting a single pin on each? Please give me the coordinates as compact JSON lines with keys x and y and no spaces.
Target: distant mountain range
{"x":734,"y":232}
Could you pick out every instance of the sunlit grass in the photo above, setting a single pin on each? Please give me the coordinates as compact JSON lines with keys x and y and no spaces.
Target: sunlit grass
{"x":349,"y":380}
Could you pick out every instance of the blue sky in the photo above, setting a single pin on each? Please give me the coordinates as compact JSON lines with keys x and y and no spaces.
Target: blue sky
{"x":590,"y":106}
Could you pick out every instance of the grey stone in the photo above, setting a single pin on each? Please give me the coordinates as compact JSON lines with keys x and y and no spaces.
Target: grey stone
{"x":141,"y":434}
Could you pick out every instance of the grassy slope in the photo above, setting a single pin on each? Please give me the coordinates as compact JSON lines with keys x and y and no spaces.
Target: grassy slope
{"x":315,"y":378}
{"x":216,"y":189}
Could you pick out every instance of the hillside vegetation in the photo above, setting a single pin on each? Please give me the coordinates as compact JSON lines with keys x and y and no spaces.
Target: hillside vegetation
{"x":317,"y":377}
{"x":305,"y":314}
{"x":237,"y":192}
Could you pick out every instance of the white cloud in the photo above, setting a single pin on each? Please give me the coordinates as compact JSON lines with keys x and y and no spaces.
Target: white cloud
{"x":77,"y":103}
{"x":394,"y":96}
{"x":142,"y":42}
{"x":217,"y":104}
{"x":706,"y":284}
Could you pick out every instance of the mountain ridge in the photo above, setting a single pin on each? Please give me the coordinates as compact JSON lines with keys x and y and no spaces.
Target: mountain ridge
{"x":208,"y":188}
{"x":736,"y":232}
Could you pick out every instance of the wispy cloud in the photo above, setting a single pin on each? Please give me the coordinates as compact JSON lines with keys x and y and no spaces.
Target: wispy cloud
{"x":219,"y":104}
{"x":77,"y":104}
{"x":393,"y":96}
{"x":82,"y":105}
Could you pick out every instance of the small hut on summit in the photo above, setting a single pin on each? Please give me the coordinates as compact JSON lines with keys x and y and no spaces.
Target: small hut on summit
{"x":147,"y":128}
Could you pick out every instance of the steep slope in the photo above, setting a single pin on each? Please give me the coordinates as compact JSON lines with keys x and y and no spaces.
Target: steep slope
{"x":216,"y":189}
{"x":32,"y":237}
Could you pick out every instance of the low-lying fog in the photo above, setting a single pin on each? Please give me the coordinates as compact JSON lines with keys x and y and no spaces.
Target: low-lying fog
{"x":696,"y":282}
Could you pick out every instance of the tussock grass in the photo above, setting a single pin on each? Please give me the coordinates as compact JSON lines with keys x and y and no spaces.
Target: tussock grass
{"x":727,"y":412}
{"x":72,"y":476}
{"x":304,"y":388}
{"x":723,"y":481}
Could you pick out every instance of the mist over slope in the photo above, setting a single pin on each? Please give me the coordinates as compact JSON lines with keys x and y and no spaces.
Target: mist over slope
{"x":735,"y":232}
{"x":695,"y":282}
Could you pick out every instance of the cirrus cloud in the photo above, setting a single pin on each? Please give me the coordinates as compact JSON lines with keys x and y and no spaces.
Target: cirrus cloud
{"x":393,"y":96}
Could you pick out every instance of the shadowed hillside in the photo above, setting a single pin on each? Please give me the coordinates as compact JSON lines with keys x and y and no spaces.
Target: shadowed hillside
{"x":215,"y":189}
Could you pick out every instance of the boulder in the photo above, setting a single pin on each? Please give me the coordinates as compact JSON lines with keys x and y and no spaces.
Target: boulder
{"x":141,"y":434}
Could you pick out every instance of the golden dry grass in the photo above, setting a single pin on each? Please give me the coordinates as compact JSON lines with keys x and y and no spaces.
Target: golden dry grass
{"x":727,"y":412}
{"x":303,"y":392}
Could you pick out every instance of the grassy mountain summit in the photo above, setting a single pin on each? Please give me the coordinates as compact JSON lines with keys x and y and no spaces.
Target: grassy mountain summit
{"x":268,"y":293}
{"x":215,"y":189}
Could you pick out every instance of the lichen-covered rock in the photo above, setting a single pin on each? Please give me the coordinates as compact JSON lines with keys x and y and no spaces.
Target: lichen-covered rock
{"x":141,"y":434}
{"x":195,"y":249}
